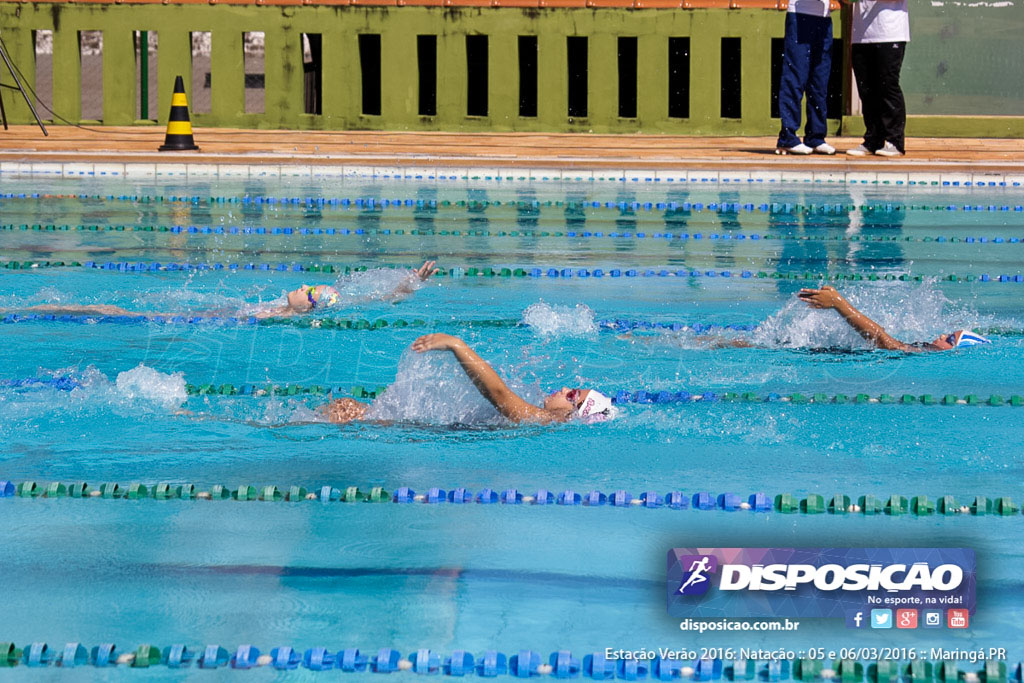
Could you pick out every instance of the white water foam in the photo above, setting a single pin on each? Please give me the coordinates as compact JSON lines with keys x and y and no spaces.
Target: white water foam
{"x":560,"y":321}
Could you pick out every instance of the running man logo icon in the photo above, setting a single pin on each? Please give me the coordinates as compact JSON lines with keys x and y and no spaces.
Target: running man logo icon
{"x":696,"y":580}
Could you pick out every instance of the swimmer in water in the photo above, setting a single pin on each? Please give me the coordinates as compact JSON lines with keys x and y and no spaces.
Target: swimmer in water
{"x":563,"y":405}
{"x":305,"y":299}
{"x":829,"y":297}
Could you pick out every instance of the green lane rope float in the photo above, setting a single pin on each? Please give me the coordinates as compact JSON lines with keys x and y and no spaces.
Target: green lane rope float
{"x":894,"y":505}
{"x":565,"y":273}
{"x":560,"y":664}
{"x":662,"y":237}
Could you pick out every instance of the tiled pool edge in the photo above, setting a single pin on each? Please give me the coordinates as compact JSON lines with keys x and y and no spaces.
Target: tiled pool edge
{"x":695,"y":176}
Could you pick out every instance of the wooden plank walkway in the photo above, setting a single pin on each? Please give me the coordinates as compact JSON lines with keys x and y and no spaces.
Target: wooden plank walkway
{"x":494,"y":150}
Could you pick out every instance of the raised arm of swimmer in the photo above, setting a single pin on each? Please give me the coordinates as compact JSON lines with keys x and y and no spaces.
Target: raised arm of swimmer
{"x":829,"y":297}
{"x":486,"y":380}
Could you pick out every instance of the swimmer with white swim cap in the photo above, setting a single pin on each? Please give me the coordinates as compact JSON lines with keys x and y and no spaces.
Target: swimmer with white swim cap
{"x":829,"y":297}
{"x":587,"y":405}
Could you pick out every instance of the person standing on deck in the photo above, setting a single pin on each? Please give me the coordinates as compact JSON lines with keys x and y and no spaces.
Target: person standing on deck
{"x":806,"y":66}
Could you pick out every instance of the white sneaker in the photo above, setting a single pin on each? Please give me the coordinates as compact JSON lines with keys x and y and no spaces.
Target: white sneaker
{"x":799,"y":148}
{"x":825,"y":148}
{"x":888,"y":150}
{"x":858,"y":151}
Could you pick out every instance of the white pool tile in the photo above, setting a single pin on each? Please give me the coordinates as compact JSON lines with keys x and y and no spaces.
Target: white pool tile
{"x":797,"y":176}
{"x":733,"y":177}
{"x":264,"y":171}
{"x":925,"y":179}
{"x":990,"y":180}
{"x":889,"y":178}
{"x":47,"y":169}
{"x":78,"y":170}
{"x":201,"y":170}
{"x":861,"y":178}
{"x":295,"y":171}
{"x":140,"y":170}
{"x":172,"y":170}
{"x":829,"y":177}
{"x":765,"y":177}
{"x":577,"y":175}
{"x":704,"y":177}
{"x":955,"y":179}
{"x":640,"y":176}
{"x":232,"y":171}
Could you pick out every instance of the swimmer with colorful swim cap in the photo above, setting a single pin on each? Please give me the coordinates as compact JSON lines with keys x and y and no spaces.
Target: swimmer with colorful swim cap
{"x":318,"y":297}
{"x":586,"y":405}
{"x":305,"y":299}
{"x":828,"y":297}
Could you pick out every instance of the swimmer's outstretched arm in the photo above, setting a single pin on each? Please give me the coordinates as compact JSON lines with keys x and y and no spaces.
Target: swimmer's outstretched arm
{"x":483,"y":376}
{"x":408,"y":285}
{"x":828,"y":297}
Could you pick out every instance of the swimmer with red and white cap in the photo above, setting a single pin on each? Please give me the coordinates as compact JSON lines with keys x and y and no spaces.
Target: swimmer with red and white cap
{"x":587,"y":405}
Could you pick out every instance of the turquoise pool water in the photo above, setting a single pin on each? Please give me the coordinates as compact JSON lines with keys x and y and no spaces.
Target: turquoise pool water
{"x":490,"y":577}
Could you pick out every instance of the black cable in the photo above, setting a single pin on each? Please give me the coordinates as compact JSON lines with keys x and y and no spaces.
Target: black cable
{"x":42,"y":104}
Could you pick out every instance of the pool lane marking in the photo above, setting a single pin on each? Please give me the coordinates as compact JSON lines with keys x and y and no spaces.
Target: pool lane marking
{"x":894,"y":505}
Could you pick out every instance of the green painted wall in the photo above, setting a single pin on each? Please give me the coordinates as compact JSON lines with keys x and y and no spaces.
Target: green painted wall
{"x":399,"y":27}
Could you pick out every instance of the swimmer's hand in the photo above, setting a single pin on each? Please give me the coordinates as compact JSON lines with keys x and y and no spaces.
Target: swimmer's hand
{"x":826,"y":297}
{"x":437,"y":342}
{"x":426,"y":271}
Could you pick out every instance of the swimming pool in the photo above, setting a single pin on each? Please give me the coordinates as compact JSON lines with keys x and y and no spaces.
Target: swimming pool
{"x":600,"y":288}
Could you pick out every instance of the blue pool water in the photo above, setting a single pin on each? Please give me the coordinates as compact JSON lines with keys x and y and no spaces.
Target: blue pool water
{"x":491,"y":577}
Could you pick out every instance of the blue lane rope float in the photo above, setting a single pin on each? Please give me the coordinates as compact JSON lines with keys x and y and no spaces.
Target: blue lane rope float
{"x":621,"y":396}
{"x":894,"y":505}
{"x":550,"y":272}
{"x":661,"y":237}
{"x":684,"y":664}
{"x":362,"y":324}
{"x":417,"y":203}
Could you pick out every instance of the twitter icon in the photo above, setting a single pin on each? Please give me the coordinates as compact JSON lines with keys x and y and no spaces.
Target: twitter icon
{"x":881,"y":618}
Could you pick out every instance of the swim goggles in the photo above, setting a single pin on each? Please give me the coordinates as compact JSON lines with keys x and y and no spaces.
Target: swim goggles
{"x":322,"y":295}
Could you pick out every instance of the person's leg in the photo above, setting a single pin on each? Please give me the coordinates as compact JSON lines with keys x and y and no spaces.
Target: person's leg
{"x":84,"y":309}
{"x":819,"y":70}
{"x":865,"y":73}
{"x":795,"y":63}
{"x":892,"y":109}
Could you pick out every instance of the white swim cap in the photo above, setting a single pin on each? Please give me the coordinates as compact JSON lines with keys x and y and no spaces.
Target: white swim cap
{"x":969,"y":338}
{"x":596,"y":408}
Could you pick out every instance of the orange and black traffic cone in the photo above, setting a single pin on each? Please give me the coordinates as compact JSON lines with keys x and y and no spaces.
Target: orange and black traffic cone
{"x":179,"y":128}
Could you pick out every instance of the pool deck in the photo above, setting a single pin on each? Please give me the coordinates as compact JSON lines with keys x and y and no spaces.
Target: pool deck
{"x":23,"y":150}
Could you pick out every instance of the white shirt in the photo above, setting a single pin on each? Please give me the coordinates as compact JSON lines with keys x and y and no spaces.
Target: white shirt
{"x":816,"y":8}
{"x":881,"y":21}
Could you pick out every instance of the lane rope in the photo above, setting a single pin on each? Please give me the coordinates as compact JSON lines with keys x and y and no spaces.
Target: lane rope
{"x":525,"y":663}
{"x":895,"y":505}
{"x":363,"y":324}
{"x":621,"y":396}
{"x":564,"y":273}
{"x":664,"y":237}
{"x":381,"y":203}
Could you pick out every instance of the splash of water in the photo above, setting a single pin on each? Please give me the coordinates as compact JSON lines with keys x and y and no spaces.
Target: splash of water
{"x":432,"y":388}
{"x":146,"y":384}
{"x":560,"y":321}
{"x":908,"y":312}
{"x":377,"y":284}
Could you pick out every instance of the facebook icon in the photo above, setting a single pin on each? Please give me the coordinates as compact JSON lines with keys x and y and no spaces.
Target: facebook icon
{"x":855,"y":619}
